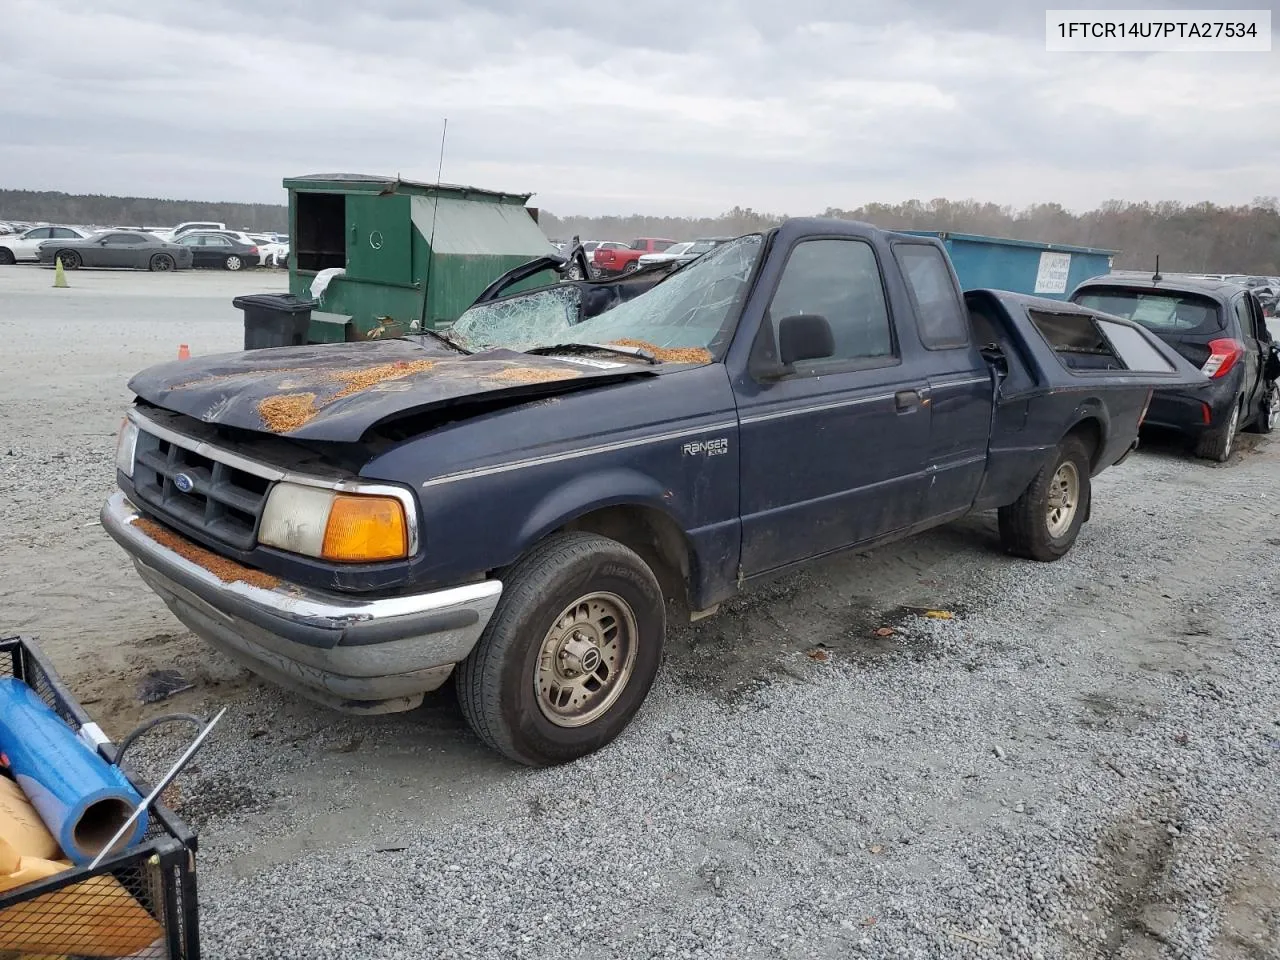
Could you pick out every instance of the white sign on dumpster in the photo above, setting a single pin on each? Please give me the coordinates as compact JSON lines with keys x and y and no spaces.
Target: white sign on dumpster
{"x":1052,"y":275}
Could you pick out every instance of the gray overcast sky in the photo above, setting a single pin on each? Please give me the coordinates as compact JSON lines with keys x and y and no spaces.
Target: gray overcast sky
{"x":660,"y":106}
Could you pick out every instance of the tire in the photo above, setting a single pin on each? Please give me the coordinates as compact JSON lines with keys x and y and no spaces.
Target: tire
{"x":1268,"y":417}
{"x":631,"y":267}
{"x":161,"y":263}
{"x":522,"y":699}
{"x":70,"y":259}
{"x":7,"y":257}
{"x":233,"y":262}
{"x":1038,"y":525}
{"x":1218,"y":443}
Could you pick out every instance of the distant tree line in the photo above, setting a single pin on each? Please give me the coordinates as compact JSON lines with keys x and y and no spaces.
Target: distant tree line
{"x":1201,"y":237}
{"x":94,"y":209}
{"x":1196,"y":238}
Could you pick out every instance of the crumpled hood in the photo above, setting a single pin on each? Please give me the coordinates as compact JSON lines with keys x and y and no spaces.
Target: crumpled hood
{"x":338,"y":391}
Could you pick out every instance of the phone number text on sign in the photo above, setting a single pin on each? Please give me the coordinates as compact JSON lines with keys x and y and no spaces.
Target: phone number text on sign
{"x":1150,"y":31}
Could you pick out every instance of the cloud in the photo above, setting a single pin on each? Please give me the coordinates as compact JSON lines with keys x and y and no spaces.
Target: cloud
{"x":668,"y":108}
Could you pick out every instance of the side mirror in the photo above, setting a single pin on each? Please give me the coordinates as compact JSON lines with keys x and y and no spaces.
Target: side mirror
{"x":805,"y":336}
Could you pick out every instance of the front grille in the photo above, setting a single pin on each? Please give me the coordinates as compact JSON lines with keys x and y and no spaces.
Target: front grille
{"x":224,"y":502}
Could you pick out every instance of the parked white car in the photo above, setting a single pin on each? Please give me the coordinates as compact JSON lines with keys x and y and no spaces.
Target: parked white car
{"x":23,"y":247}
{"x":271,"y":252}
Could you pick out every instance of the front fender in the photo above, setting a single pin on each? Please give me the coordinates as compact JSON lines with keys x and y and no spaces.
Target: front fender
{"x":609,"y":487}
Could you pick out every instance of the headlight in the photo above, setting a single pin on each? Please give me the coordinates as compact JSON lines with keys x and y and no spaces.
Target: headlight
{"x":351,"y":527}
{"x":126,"y":444}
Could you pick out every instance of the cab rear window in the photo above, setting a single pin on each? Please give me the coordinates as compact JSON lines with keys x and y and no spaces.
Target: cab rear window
{"x":1166,"y":313}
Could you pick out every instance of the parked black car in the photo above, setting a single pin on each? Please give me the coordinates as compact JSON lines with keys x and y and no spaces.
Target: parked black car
{"x":1217,"y":325}
{"x":215,"y":248}
{"x":116,"y":248}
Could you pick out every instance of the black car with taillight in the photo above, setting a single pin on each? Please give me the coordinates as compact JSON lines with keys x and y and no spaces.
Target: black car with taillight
{"x":1217,"y":325}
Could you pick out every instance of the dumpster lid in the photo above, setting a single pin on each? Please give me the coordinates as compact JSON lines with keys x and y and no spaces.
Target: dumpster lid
{"x":279,"y":302}
{"x":367,"y":183}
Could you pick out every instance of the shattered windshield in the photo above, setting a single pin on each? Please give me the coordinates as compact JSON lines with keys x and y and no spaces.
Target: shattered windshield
{"x":686,"y":316}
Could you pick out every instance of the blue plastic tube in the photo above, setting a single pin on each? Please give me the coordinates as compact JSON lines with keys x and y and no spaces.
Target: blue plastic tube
{"x":81,"y":798}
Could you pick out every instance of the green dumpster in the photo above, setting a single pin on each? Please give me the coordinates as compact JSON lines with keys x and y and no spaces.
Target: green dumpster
{"x":410,"y":254}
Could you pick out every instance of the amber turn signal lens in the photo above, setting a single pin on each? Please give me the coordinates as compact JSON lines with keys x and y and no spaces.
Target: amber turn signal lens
{"x":364,"y":528}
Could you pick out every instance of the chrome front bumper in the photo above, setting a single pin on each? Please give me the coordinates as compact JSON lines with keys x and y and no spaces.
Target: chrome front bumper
{"x":353,"y":654}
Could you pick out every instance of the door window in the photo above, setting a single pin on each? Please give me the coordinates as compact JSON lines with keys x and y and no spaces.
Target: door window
{"x":838,"y":280}
{"x":943,"y":323}
{"x":217,"y":242}
{"x":1245,"y":316}
{"x":64,"y":233}
{"x":39,"y":233}
{"x":122,"y":239}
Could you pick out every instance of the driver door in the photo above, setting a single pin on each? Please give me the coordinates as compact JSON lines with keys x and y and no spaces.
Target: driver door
{"x":833,"y":453}
{"x":113,"y":250}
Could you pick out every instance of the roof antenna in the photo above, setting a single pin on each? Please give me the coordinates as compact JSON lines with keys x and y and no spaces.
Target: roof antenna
{"x":1155,"y":278}
{"x":431,"y":243}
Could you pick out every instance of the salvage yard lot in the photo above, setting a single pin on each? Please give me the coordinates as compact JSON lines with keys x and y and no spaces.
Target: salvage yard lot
{"x":1081,"y":762}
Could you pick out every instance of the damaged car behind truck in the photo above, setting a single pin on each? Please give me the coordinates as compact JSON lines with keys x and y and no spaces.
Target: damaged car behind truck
{"x":521,"y":502}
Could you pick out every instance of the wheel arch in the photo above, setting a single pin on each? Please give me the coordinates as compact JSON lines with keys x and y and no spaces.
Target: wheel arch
{"x":630,"y":508}
{"x":1093,"y":432}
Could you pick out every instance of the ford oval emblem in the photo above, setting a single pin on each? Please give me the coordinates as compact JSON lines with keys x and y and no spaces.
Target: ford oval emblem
{"x":183,"y":482}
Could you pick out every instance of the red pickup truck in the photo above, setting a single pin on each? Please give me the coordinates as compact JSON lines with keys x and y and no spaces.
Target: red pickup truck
{"x":610,"y":262}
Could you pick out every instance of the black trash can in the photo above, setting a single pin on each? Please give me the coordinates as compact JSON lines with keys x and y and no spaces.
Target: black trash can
{"x":274,"y":319}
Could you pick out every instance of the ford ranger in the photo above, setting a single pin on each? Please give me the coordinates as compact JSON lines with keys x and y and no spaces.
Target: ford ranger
{"x":521,"y":502}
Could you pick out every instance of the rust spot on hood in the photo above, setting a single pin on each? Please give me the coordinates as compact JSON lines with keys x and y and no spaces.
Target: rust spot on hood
{"x":228,"y":571}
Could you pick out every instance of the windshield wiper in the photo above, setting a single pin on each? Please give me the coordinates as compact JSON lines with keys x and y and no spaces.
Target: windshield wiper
{"x":445,"y":340}
{"x":639,"y":352}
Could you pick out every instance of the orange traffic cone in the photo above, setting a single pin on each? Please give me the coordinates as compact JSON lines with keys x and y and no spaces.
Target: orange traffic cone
{"x":183,"y":352}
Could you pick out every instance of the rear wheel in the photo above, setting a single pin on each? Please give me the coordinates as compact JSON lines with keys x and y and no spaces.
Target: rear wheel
{"x":1044,"y":522}
{"x":233,"y":262}
{"x":631,"y":267}
{"x":6,"y":256}
{"x":1218,"y":443}
{"x":1268,"y":409}
{"x":70,"y":259}
{"x":570,"y":653}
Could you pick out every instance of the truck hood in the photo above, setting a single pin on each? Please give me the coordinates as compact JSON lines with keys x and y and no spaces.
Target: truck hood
{"x":337,"y":392}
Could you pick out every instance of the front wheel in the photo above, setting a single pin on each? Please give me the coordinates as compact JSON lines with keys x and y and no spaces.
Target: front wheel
{"x":1044,"y":522}
{"x":70,"y":259}
{"x":570,"y":653}
{"x":161,"y":263}
{"x":631,"y":267}
{"x":233,"y":262}
{"x":1217,"y":444}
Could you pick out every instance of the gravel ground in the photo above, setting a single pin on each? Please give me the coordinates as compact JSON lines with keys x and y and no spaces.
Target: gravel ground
{"x":1080,"y":763}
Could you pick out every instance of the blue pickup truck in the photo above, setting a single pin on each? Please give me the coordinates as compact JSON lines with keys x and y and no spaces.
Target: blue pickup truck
{"x":524,"y":501}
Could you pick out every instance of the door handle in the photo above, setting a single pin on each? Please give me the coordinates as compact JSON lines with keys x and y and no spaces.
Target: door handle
{"x":906,"y":400}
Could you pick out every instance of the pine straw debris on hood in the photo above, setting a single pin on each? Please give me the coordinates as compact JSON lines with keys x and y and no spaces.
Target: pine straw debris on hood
{"x":228,"y":571}
{"x":533,"y":374}
{"x":285,"y":412}
{"x":667,"y":354}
